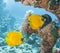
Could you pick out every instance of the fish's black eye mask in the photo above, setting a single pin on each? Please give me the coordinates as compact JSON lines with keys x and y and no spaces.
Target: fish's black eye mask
{"x":47,"y":21}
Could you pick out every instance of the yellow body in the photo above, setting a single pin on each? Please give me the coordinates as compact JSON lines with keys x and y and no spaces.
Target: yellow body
{"x":35,"y":21}
{"x":14,"y":38}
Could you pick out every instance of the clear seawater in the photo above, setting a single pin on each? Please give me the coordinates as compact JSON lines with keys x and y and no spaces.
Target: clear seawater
{"x":12,"y":15}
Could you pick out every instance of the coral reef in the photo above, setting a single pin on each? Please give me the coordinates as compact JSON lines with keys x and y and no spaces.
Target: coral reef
{"x":50,"y":5}
{"x":54,"y":7}
{"x":49,"y":33}
{"x":56,"y":48}
{"x":41,"y":40}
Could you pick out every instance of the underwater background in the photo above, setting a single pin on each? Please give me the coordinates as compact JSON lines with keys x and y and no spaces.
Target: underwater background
{"x":12,"y":16}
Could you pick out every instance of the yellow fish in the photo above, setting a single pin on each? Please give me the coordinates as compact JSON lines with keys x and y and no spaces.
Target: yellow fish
{"x":35,"y":21}
{"x":14,"y":38}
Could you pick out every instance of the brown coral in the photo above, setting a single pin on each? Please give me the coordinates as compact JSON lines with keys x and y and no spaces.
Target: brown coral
{"x":48,"y":39}
{"x":44,"y":4}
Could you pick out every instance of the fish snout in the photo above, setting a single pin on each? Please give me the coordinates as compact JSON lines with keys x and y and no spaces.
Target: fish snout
{"x":22,"y":39}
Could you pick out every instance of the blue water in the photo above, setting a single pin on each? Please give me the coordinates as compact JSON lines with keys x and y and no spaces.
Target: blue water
{"x":12,"y":15}
{"x":18,"y":10}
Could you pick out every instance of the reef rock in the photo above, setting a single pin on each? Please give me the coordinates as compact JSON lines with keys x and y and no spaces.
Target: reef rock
{"x":49,"y":35}
{"x":50,"y":5}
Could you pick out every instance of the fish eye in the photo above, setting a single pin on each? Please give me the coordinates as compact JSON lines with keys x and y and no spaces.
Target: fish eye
{"x":22,"y":39}
{"x":43,"y":19}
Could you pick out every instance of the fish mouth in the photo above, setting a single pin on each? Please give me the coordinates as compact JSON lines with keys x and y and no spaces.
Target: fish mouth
{"x":22,"y":39}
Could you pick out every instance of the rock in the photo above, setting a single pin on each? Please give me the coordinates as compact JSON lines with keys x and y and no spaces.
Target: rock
{"x":48,"y":37}
{"x":47,"y":4}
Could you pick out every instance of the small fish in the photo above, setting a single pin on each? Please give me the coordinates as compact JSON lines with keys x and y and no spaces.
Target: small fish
{"x":14,"y":38}
{"x":36,"y":21}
